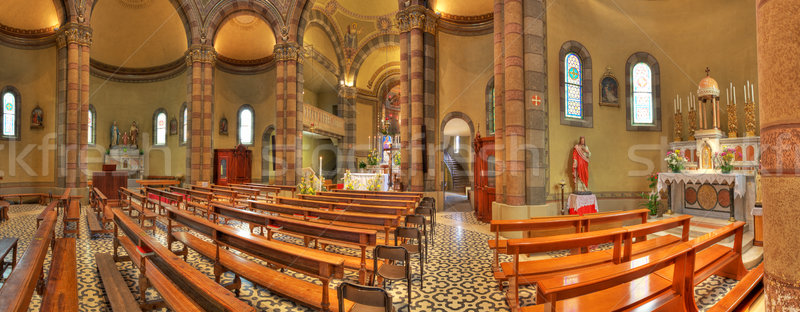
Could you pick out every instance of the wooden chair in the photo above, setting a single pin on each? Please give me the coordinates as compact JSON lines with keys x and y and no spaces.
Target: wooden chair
{"x":431,"y":214}
{"x":366,"y":298}
{"x":389,"y":269}
{"x":403,"y":237}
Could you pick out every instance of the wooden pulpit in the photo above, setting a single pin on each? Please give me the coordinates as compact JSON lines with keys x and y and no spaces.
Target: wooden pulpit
{"x":232,"y":166}
{"x":484,"y":177}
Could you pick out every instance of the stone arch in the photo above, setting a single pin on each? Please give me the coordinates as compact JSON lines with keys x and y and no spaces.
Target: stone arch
{"x":459,"y":115}
{"x":366,"y":49}
{"x":443,"y":143}
{"x":647,"y":58}
{"x":587,"y":120}
{"x":318,"y":18}
{"x":226,"y":9}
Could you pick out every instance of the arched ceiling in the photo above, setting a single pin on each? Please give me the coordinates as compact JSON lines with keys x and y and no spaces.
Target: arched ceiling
{"x":137,"y":34}
{"x":367,"y":8}
{"x":245,"y":36}
{"x":376,"y":63}
{"x":317,"y":38}
{"x":456,"y":127}
{"x":29,"y":14}
{"x":463,"y":8}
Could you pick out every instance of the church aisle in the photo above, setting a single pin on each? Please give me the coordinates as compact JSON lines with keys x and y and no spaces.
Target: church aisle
{"x":457,"y":276}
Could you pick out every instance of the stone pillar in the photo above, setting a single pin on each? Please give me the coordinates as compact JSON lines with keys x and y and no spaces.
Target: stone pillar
{"x":499,"y":111}
{"x":535,"y":104}
{"x":405,"y":111}
{"x":417,"y":114}
{"x":200,"y":61}
{"x":289,"y":130}
{"x":347,"y":110}
{"x":778,"y":44}
{"x":514,"y":106}
{"x":430,"y":114}
{"x":74,"y":42}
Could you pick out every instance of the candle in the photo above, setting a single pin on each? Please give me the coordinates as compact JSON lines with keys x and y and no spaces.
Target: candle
{"x":734,"y":95}
{"x":727,"y":96}
{"x":745,"y":93}
{"x":752,"y":94}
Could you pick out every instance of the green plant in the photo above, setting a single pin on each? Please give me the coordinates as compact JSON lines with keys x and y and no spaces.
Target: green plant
{"x":653,"y":201}
{"x":675,"y":160}
{"x":372,"y":158}
{"x":396,"y":158}
{"x":362,"y":164}
{"x":310,"y":185}
{"x":724,"y":160}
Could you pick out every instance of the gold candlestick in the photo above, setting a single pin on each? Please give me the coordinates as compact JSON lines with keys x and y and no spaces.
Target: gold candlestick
{"x":692,"y":123}
{"x":678,"y":126}
{"x":733,"y":128}
{"x":750,"y":119}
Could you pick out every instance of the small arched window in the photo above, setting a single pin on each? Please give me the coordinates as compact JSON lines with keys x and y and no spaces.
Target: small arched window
{"x":91,"y":122}
{"x":160,"y":125}
{"x":490,"y":107}
{"x":246,"y":125}
{"x":643,"y":89}
{"x":573,"y":86}
{"x":642,"y":81}
{"x":11,"y":106}
{"x":184,"y":124}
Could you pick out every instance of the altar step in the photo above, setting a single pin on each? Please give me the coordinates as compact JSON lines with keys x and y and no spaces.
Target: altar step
{"x":751,"y":255}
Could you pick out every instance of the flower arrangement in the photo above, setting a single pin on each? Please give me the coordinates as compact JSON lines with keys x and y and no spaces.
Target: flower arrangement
{"x":362,"y":164}
{"x":653,"y":201}
{"x":724,"y":159}
{"x":375,"y":183}
{"x":675,"y":160}
{"x":396,"y":158}
{"x":310,"y":185}
{"x":372,"y":158}
{"x":348,"y":181}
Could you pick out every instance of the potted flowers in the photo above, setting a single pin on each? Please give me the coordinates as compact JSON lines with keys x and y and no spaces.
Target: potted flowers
{"x":724,"y":159}
{"x":652,"y":202}
{"x":675,"y":160}
{"x":372,"y":158}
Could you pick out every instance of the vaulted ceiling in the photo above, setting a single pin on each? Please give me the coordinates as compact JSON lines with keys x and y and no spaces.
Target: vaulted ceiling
{"x":245,"y":37}
{"x":29,"y":14}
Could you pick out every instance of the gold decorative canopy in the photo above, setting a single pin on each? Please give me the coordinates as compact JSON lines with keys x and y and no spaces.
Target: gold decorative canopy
{"x":708,"y":86}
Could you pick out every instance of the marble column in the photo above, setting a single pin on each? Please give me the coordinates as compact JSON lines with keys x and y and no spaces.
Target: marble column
{"x":200,"y":62}
{"x":499,"y":112}
{"x":514,"y":108}
{"x":289,"y":130}
{"x":74,"y":42}
{"x":778,"y":44}
{"x":536,"y":138}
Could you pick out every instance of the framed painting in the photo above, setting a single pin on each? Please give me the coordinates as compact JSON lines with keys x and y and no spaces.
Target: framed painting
{"x":37,"y":118}
{"x":609,"y":90}
{"x":173,"y":126}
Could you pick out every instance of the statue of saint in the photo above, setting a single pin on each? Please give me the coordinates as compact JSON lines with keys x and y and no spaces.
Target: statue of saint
{"x":114,"y":134}
{"x":134,"y":134}
{"x":580,"y":166}
{"x":125,"y":138}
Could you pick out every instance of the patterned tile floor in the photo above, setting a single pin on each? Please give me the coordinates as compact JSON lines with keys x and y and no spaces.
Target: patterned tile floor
{"x":457,"y":276}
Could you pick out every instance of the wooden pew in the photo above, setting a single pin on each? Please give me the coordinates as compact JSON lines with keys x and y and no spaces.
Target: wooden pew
{"x":143,"y":214}
{"x":193,"y":199}
{"x":628,"y":286}
{"x":219,"y":194}
{"x":4,"y":207}
{"x":415,"y":199}
{"x":180,"y":285}
{"x":42,"y":197}
{"x":345,"y":218}
{"x":613,"y":219}
{"x":73,"y":215}
{"x":268,"y":191}
{"x":744,"y":294}
{"x":8,"y":245}
{"x":15,"y":295}
{"x":310,"y":262}
{"x":61,"y":290}
{"x":418,"y":194}
{"x":243,"y":192}
{"x":408,"y":205}
{"x":47,"y":209}
{"x":116,"y":289}
{"x":323,"y":233}
{"x":163,"y":198}
{"x":101,"y":215}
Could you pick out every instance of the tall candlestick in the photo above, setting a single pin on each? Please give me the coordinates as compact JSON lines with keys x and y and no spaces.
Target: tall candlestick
{"x":752,"y":94}
{"x":745,"y":93}
{"x":734,"y":95}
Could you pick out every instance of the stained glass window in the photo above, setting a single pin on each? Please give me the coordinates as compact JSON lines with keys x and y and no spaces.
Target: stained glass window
{"x":492,"y":117}
{"x":573,"y":86}
{"x":185,"y":126}
{"x":9,"y":115}
{"x":161,"y":128}
{"x":642,"y":81}
{"x":91,"y":125}
{"x":246,"y":126}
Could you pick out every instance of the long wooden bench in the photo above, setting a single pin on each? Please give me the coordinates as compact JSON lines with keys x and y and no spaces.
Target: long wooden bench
{"x":365,"y":205}
{"x":309,"y":231}
{"x":529,"y":272}
{"x":15,"y":295}
{"x":418,"y":194}
{"x":179,"y":284}
{"x":47,"y":209}
{"x":304,"y":201}
{"x":42,"y":197}
{"x":61,"y":290}
{"x":193,"y":199}
{"x":243,"y":192}
{"x":744,"y":294}
{"x":143,"y":214}
{"x":344,"y":218}
{"x":116,"y":289}
{"x":100,"y":216}
{"x":8,"y":245}
{"x":162,"y":198}
{"x":219,"y":194}
{"x":310,"y":262}
{"x":373,"y":196}
{"x":4,"y":207}
{"x":268,"y":191}
{"x":73,"y":215}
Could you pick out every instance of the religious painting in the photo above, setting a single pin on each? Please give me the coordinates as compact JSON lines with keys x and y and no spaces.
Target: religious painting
{"x":173,"y":126}
{"x":37,"y":118}
{"x":387,"y":142}
{"x":223,"y":126}
{"x":609,"y":91}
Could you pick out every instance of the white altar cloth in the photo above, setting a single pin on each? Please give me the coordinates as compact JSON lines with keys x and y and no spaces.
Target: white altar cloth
{"x":361,"y":180}
{"x":739,"y":187}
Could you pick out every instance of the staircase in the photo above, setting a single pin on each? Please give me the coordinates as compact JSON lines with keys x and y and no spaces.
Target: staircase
{"x":457,"y":172}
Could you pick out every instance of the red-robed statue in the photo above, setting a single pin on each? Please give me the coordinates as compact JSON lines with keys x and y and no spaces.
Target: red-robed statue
{"x":580,"y":166}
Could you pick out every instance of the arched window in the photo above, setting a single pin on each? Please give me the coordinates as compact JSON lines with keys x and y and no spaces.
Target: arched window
{"x":490,"y":108}
{"x":642,"y":94}
{"x":643,"y":89}
{"x":160,"y":127}
{"x":245,"y":125}
{"x":184,"y":124}
{"x":575,"y":85}
{"x":11,"y":106}
{"x":91,"y":123}
{"x":572,"y":84}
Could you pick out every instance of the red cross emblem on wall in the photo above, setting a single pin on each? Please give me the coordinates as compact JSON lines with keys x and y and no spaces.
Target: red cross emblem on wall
{"x":536,"y":100}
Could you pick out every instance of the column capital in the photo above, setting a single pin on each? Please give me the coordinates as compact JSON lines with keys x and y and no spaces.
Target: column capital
{"x":289,"y":51}
{"x":201,"y":54}
{"x":417,"y":16}
{"x":74,"y":33}
{"x":347,"y":92}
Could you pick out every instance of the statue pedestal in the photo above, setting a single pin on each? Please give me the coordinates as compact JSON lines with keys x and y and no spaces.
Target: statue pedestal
{"x":707,"y":141}
{"x":127,"y":159}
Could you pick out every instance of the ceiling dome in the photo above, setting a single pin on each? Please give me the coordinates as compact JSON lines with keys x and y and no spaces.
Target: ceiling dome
{"x":244,"y":37}
{"x":708,"y":87}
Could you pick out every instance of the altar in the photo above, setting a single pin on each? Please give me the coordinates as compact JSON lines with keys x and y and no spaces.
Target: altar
{"x":361,"y":180}
{"x":723,"y":196}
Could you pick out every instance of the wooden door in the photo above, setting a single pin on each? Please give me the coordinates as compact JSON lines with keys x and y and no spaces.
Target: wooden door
{"x":223,"y":160}
{"x":484,"y":177}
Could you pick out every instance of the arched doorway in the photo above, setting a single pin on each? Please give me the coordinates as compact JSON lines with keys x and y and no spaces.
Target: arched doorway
{"x":268,"y":155}
{"x":457,"y":131}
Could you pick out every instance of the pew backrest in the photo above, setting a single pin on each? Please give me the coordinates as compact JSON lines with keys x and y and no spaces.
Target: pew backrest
{"x":613,"y":219}
{"x":15,"y":295}
{"x":642,"y":230}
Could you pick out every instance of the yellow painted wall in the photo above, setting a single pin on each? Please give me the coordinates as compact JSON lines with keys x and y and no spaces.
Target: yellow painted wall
{"x":231,"y":91}
{"x":127,"y":102}
{"x":684,"y":36}
{"x":365,"y":115}
{"x":33,"y":73}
